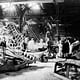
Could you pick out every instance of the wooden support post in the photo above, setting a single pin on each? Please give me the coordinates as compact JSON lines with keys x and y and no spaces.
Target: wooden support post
{"x":67,"y":70}
{"x":76,"y":70}
{"x":55,"y":67}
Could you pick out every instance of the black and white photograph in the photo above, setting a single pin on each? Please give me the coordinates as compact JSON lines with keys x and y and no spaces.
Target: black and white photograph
{"x":39,"y":40}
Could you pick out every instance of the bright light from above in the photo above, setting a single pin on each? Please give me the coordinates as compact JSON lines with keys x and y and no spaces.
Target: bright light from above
{"x":8,"y":7}
{"x":5,"y":20}
{"x":34,"y":6}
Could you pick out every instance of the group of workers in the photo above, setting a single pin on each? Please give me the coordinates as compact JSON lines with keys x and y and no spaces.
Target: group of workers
{"x":32,"y":45}
{"x":63,"y":47}
{"x":67,"y":46}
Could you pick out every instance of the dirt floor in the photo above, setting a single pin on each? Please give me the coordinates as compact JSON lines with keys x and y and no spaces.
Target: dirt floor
{"x":36,"y":71}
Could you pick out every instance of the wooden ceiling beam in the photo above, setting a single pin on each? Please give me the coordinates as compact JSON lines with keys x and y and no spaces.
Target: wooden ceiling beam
{"x":28,"y":1}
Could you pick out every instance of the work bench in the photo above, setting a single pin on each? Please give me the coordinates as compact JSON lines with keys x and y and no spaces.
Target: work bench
{"x":67,"y":64}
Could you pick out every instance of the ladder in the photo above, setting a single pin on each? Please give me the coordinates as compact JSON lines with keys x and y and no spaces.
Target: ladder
{"x":33,"y":32}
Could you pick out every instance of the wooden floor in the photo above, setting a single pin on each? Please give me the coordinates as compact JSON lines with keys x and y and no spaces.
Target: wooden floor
{"x":36,"y":71}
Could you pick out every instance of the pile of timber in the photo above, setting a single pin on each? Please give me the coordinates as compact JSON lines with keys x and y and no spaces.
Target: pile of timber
{"x":14,"y":63}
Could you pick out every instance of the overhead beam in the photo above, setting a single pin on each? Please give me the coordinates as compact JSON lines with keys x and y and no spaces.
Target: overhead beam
{"x":28,"y":1}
